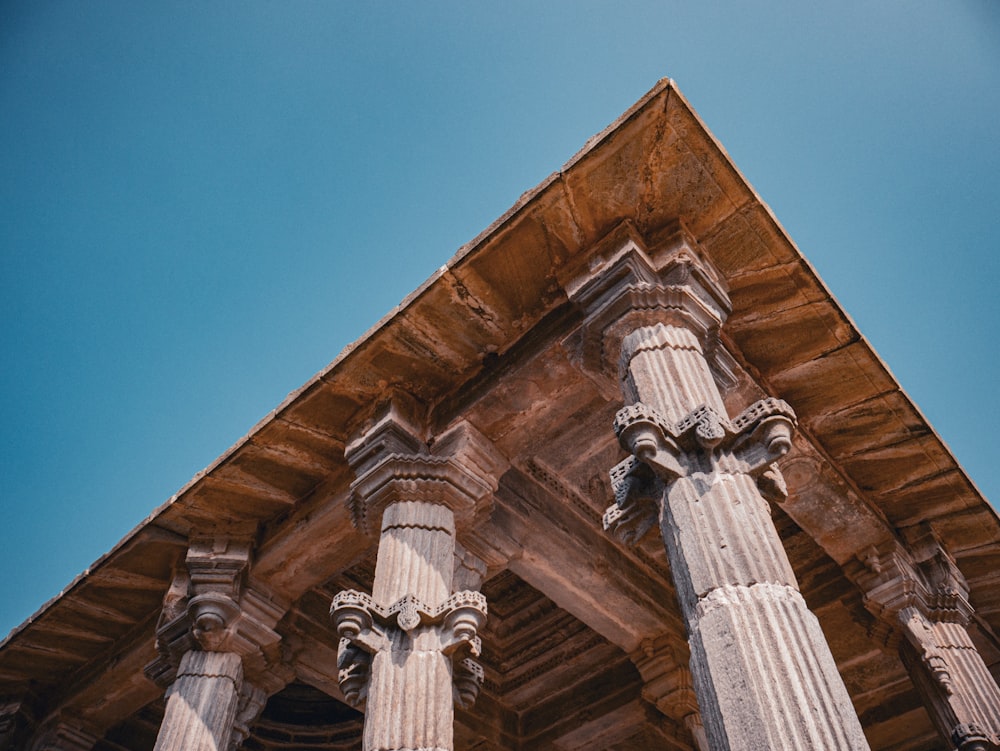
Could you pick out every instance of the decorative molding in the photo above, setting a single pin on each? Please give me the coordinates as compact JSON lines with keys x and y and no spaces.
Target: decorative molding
{"x":366,"y":628}
{"x":211,"y":605}
{"x":703,"y":441}
{"x":459,"y":470}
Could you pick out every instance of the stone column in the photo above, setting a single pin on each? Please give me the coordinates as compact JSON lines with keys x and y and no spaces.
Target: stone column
{"x":201,"y":702}
{"x":921,"y":598}
{"x":762,"y":670}
{"x":407,"y":650}
{"x":213,"y":630}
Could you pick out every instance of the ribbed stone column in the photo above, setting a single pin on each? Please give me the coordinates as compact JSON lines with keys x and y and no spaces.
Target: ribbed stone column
{"x":406,"y":651}
{"x":958,"y":690}
{"x":410,"y":703}
{"x":762,"y":671}
{"x":201,"y":703}
{"x":218,"y":653}
{"x":921,"y":596}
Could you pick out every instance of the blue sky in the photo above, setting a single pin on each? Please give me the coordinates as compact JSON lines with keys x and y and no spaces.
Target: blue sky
{"x":202,"y":203}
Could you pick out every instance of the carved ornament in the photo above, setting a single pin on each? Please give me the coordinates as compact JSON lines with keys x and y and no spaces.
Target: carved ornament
{"x":702,"y":441}
{"x":633,"y":284}
{"x":459,"y":471}
{"x":366,"y":628}
{"x":210,"y":606}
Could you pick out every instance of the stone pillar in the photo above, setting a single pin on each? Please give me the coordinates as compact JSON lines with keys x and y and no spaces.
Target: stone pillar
{"x":407,"y":650}
{"x":214,"y":629}
{"x":201,"y":702}
{"x":762,"y":670}
{"x":921,"y":599}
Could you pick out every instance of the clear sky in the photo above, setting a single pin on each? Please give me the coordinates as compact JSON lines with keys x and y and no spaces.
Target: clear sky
{"x":202,"y":203}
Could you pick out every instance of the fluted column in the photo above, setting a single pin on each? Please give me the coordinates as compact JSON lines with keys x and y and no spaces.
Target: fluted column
{"x":762,"y":670}
{"x":213,"y":630}
{"x":921,"y":598}
{"x":201,"y":702}
{"x":407,"y":651}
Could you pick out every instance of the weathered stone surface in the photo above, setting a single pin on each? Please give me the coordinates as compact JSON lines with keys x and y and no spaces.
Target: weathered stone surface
{"x":920,"y":595}
{"x":761,"y":667}
{"x":495,"y":341}
{"x":202,"y":703}
{"x":407,"y":651}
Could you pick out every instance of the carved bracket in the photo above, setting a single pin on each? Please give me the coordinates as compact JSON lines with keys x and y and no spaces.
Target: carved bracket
{"x":637,"y":492}
{"x":364,"y":628}
{"x":459,"y":470}
{"x":757,"y":437}
{"x":661,"y":452}
{"x":210,"y":606}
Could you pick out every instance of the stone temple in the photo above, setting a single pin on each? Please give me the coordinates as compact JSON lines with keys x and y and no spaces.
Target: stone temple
{"x":621,"y":475}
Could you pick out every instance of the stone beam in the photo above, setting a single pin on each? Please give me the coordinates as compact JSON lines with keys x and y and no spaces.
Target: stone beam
{"x":582,"y":571}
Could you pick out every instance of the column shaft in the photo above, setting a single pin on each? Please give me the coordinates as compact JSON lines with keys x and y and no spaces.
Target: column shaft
{"x":416,"y":554}
{"x":410,"y":704}
{"x":951,"y":676}
{"x":762,"y":670}
{"x":201,"y":703}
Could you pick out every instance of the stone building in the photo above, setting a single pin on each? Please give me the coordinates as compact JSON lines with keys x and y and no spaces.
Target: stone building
{"x":621,"y":475}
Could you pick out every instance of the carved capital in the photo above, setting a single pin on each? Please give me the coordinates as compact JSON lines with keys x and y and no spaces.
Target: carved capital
{"x":459,"y":470}
{"x":211,"y":606}
{"x":631,"y":283}
{"x":760,"y":435}
{"x":361,"y":620}
{"x":919,"y":596}
{"x":703,"y":441}
{"x":450,"y":628}
{"x":894,"y":580}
